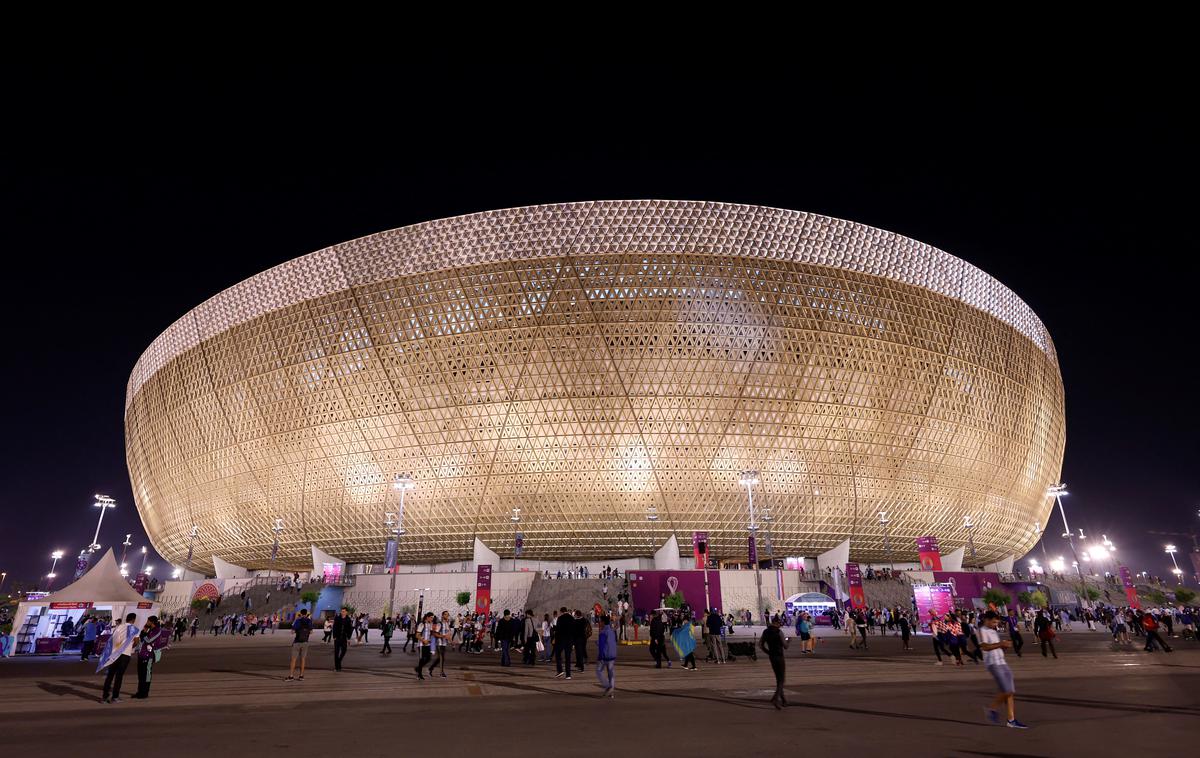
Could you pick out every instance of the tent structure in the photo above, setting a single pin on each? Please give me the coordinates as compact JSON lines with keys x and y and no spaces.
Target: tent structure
{"x":101,"y":589}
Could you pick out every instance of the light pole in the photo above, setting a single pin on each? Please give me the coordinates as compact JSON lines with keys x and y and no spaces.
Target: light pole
{"x":277,"y":529}
{"x":887,"y":543}
{"x":125,"y":548}
{"x":142,"y":570}
{"x":103,"y":502}
{"x":970,"y":527}
{"x":56,"y":555}
{"x":748,"y":479}
{"x":3,"y":576}
{"x":515,"y":518}
{"x":421,"y":601}
{"x":402,"y":484}
{"x":1058,"y":492}
{"x":1177,"y":571}
{"x":187,"y":563}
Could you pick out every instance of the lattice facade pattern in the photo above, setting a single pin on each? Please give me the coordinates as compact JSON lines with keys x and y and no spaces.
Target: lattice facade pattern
{"x":587,"y":363}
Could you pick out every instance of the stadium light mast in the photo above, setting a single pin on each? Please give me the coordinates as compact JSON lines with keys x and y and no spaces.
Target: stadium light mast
{"x":749,"y":479}
{"x":103,"y":502}
{"x":887,"y":543}
{"x":125,"y":548}
{"x":402,"y":484}
{"x":1058,"y":492}
{"x":969,"y":525}
{"x":56,"y":556}
{"x":1177,"y":571}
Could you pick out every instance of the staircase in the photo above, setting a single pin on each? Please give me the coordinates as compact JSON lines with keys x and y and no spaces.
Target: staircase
{"x":282,"y":601}
{"x":547,"y":595}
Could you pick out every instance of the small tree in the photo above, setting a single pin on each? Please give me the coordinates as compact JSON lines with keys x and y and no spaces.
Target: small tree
{"x":200,"y":603}
{"x":1038,"y":599}
{"x":462,"y":598}
{"x":1157,"y":597}
{"x":1184,"y":595}
{"x":997,"y":597}
{"x":1025,"y":598}
{"x":1091,"y":593}
{"x":674,"y":600}
{"x":310,"y":597}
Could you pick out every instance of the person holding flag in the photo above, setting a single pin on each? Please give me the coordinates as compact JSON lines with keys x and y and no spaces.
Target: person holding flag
{"x":152,"y":641}
{"x":116,"y":657}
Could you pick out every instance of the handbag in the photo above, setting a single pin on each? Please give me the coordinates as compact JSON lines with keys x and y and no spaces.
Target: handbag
{"x":541,"y":647}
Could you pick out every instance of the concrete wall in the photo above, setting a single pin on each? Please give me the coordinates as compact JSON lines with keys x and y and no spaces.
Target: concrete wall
{"x":370,"y":591}
{"x":738,"y":590}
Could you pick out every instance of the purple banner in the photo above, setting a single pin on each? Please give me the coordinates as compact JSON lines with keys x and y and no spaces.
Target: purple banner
{"x":519,"y":543}
{"x":648,"y":588}
{"x":753,"y":552}
{"x":932,"y":600}
{"x":391,"y":555}
{"x":854,"y":585}
{"x":81,"y":564}
{"x":968,"y":585}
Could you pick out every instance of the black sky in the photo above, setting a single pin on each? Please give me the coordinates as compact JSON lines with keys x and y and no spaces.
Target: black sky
{"x":134,"y":190}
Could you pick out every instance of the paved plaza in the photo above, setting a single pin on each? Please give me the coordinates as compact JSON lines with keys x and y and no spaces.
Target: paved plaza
{"x":228,"y":694}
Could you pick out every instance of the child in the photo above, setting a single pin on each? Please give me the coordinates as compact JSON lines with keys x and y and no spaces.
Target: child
{"x":993,"y":656}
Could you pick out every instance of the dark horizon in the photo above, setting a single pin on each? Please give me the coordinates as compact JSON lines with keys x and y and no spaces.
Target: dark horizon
{"x":137,"y":192}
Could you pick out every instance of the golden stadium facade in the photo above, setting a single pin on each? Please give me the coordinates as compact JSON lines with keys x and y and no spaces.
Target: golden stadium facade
{"x":592,"y":364}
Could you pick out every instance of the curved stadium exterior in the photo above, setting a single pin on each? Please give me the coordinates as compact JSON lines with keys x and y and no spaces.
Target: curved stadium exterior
{"x":590,"y":364}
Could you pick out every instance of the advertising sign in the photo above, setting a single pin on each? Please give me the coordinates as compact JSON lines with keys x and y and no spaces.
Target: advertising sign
{"x":753,"y":551}
{"x":71,"y":606}
{"x":932,"y":600}
{"x":1131,"y":595}
{"x":698,"y":539}
{"x":519,"y":546}
{"x":483,"y":588}
{"x":81,"y":564}
{"x":648,"y":588}
{"x":140,"y":582}
{"x":858,"y":598}
{"x":145,"y":606}
{"x":929,"y":554}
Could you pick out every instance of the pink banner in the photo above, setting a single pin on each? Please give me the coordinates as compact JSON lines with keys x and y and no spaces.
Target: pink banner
{"x":700,"y":548}
{"x":932,"y":600}
{"x":1131,"y":595}
{"x":483,"y":588}
{"x":858,"y":598}
{"x":929,"y":553}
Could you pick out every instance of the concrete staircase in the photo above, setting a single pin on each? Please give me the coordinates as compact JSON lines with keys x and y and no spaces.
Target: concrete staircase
{"x":281,"y":601}
{"x":546,"y":595}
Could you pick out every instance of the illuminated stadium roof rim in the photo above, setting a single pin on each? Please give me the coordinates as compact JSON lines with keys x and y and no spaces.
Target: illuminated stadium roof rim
{"x":322,"y":272}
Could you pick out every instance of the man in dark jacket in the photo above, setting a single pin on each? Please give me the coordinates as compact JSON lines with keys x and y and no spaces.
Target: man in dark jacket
{"x":343,"y":628}
{"x":583,"y":630}
{"x":714,"y":623}
{"x":658,"y":639}
{"x":564,"y":640}
{"x":504,"y":635}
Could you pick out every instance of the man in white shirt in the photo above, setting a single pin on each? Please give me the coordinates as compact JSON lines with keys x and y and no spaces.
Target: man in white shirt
{"x":993,"y":657}
{"x":117,"y":656}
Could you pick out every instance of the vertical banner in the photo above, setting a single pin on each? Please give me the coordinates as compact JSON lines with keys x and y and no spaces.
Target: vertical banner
{"x":854,"y":581}
{"x":779,"y":583}
{"x":81,"y":564}
{"x":391,"y":555}
{"x":753,"y":552}
{"x":519,"y":543}
{"x":932,"y":600}
{"x":1131,"y":595}
{"x":139,"y":583}
{"x":929,"y":554}
{"x":700,"y":553}
{"x":483,"y":588}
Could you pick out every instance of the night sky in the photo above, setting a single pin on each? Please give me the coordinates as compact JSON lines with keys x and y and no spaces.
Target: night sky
{"x":135,"y":190}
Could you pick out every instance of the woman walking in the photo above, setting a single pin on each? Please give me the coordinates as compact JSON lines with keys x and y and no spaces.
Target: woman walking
{"x":154,"y":639}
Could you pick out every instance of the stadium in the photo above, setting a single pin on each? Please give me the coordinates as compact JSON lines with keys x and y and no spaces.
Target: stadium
{"x":609,"y":369}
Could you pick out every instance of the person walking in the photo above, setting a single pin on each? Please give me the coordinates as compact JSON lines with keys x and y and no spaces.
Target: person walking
{"x":993,"y":657}
{"x":583,"y":631}
{"x":91,"y":630}
{"x":606,"y":656}
{"x":564,"y":641}
{"x":428,"y":642}
{"x":440,"y":636}
{"x":548,"y":651}
{"x":1043,"y":629}
{"x":1014,"y":633}
{"x":386,"y":627}
{"x":117,"y":656}
{"x":195,"y":626}
{"x":658,"y":640}
{"x":153,"y":640}
{"x":328,"y":628}
{"x":302,"y":628}
{"x":715,"y":624}
{"x":905,"y":629}
{"x":685,"y":641}
{"x":342,"y":631}
{"x":773,"y":643}
{"x":1150,"y":626}
{"x":504,"y":634}
{"x":530,"y":637}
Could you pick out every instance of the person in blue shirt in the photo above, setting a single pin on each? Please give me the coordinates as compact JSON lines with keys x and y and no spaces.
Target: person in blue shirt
{"x":606,"y":657}
{"x":91,"y":630}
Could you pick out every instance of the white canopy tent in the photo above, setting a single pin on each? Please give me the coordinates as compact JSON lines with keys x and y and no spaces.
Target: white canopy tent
{"x":102,"y":588}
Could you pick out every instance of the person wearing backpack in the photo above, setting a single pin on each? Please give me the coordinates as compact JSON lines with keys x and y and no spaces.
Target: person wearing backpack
{"x":302,"y":627}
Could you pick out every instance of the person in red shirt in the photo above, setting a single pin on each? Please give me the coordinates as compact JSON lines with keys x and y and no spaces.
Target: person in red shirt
{"x":1150,"y":625}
